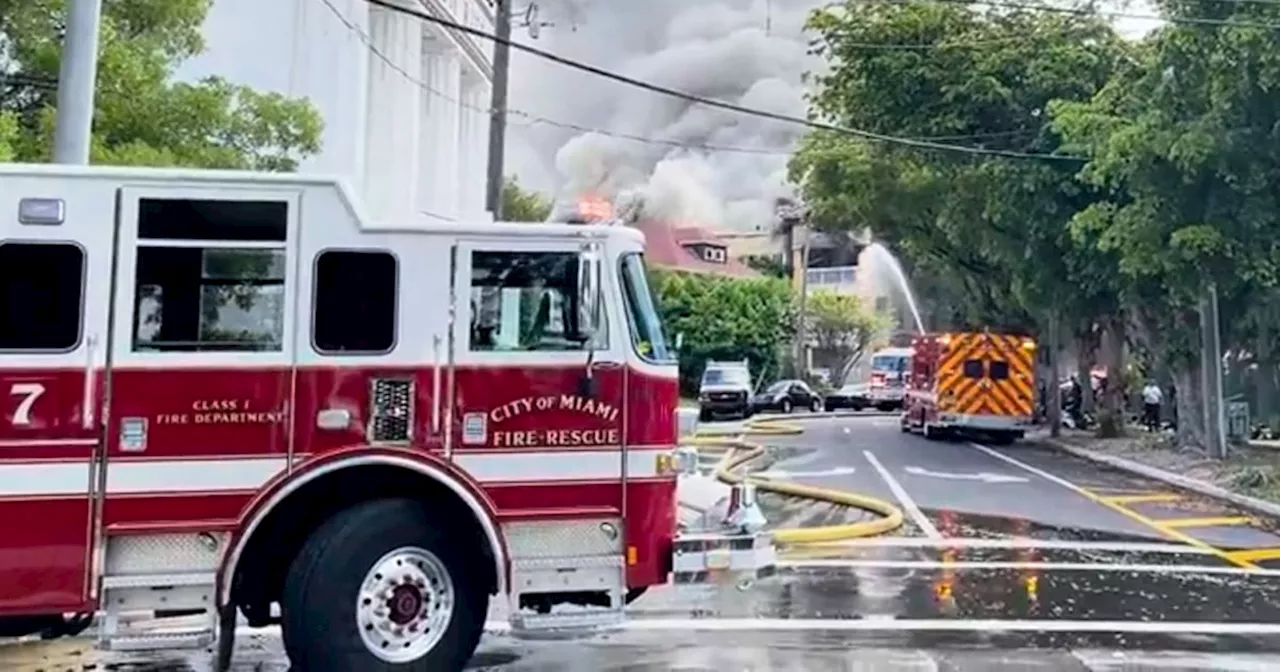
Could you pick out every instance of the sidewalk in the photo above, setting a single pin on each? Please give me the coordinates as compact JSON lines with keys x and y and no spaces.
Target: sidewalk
{"x":1249,"y":478}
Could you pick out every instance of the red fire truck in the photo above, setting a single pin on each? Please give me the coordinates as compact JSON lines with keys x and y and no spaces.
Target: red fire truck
{"x":227,"y":393}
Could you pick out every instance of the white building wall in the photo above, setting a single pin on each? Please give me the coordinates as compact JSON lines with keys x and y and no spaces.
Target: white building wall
{"x":393,"y":90}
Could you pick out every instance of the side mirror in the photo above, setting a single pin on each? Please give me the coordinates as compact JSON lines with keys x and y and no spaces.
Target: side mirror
{"x":590,"y":292}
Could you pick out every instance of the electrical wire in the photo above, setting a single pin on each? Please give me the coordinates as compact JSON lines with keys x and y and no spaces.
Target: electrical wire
{"x":1087,"y":11}
{"x":533,"y":119}
{"x":721,"y":104}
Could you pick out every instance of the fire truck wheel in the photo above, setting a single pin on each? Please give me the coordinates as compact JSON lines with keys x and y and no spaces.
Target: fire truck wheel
{"x":379,"y":587}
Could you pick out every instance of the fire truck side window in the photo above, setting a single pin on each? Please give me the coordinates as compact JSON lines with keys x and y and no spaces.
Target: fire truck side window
{"x":355,"y":302}
{"x":973,"y":368}
{"x":225,"y":294}
{"x":41,"y":296}
{"x":525,"y":301}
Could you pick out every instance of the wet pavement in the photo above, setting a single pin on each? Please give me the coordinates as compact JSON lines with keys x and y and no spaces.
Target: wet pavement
{"x":1014,"y":558}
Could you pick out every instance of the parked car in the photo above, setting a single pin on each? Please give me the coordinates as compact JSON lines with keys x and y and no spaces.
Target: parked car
{"x":786,"y":395}
{"x":725,"y":390}
{"x":853,"y":396}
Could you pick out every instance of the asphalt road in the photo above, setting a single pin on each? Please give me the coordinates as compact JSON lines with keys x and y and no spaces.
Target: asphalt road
{"x":1014,"y":558}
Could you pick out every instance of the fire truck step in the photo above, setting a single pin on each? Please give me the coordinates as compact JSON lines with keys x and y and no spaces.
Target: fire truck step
{"x":544,"y":580}
{"x":589,"y":619}
{"x":159,"y":640}
{"x":126,"y":597}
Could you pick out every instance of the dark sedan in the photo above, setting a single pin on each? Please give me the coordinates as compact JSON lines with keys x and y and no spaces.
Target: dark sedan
{"x":854,"y":397}
{"x":787,"y":395}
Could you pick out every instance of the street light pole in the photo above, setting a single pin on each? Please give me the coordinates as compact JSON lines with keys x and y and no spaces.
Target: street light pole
{"x":498,"y":108}
{"x":77,"y":78}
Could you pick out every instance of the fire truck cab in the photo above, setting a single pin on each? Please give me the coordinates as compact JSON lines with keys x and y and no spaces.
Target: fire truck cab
{"x":232,"y":396}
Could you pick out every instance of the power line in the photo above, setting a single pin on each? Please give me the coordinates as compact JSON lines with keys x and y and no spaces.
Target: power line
{"x":720,"y":104}
{"x":533,"y":119}
{"x":1086,"y":11}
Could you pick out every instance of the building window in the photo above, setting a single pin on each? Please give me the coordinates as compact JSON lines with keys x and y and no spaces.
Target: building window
{"x":714,"y":254}
{"x":356,"y":293}
{"x":227,"y":295}
{"x":526,"y":301}
{"x":41,"y":296}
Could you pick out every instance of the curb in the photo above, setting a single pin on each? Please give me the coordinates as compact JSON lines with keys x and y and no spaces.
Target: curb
{"x":1167,"y":477}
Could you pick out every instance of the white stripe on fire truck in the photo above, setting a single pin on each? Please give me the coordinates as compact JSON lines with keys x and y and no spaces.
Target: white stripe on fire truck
{"x":62,"y":478}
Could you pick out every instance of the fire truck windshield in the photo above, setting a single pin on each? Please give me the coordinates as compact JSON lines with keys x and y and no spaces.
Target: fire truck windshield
{"x":642,"y":314}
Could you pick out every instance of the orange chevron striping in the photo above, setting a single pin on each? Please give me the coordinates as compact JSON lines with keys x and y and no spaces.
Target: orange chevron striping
{"x":962,"y":345}
{"x":1012,"y":396}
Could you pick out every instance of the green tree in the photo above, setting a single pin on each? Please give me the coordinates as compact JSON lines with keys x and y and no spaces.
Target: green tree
{"x":1184,"y":142}
{"x":842,"y":329}
{"x":986,"y":240}
{"x":143,"y":117}
{"x":519,"y":205}
{"x":724,"y":319}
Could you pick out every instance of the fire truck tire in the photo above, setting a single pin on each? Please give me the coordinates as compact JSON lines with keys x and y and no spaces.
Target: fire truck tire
{"x":433,"y":601}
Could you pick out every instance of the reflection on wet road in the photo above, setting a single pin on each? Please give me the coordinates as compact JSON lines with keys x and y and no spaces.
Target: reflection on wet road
{"x":1016,"y":558}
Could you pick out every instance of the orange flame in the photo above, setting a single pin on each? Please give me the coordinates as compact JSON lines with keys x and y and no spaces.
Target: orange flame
{"x":594,"y":208}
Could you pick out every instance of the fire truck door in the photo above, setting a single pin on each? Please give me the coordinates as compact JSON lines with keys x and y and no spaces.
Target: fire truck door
{"x":55,"y":262}
{"x":535,"y":398}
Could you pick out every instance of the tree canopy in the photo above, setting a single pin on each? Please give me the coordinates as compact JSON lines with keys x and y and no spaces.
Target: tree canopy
{"x":520,"y":205}
{"x":1153,"y":177}
{"x":725,"y":319}
{"x":142,"y":116}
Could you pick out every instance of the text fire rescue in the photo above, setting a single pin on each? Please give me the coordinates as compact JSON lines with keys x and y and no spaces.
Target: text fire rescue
{"x":555,"y":437}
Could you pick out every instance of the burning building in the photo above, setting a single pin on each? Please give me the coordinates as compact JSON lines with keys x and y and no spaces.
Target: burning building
{"x":668,"y":246}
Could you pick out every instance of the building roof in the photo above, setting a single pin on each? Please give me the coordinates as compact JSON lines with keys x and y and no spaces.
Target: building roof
{"x":680,"y":248}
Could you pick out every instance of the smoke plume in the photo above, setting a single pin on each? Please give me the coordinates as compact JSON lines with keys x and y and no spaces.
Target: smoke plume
{"x":750,"y":52}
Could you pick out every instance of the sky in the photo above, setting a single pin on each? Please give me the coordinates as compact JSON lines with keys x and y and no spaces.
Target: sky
{"x":751,"y":52}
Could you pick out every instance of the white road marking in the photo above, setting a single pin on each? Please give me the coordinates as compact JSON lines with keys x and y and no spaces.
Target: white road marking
{"x":931,"y":625}
{"x":1032,"y":470}
{"x":820,"y":473}
{"x":840,"y":563}
{"x":985,"y":477}
{"x":908,"y":505}
{"x":1017,"y":544}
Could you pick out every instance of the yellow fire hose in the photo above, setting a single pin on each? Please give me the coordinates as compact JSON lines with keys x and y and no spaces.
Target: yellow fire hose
{"x":738,"y":452}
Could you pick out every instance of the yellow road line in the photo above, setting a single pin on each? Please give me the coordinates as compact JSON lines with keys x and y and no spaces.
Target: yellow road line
{"x":1143,"y":499}
{"x":1222,"y":521}
{"x":1256,"y":554}
{"x":1156,"y":525}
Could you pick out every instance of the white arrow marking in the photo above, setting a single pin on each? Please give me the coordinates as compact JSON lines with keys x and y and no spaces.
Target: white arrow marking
{"x":984,"y":476}
{"x":834,"y":471}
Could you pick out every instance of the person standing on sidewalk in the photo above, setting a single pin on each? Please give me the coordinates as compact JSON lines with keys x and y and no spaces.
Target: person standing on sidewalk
{"x":1151,"y":398}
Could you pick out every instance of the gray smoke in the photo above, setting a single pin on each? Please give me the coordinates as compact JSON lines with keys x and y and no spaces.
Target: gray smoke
{"x":750,"y":52}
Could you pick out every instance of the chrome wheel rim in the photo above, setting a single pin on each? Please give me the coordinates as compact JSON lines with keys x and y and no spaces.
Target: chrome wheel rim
{"x":405,"y":604}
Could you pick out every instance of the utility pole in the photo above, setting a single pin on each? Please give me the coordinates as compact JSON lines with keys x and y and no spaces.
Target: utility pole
{"x":498,"y":107}
{"x":77,"y":78}
{"x":1211,"y":373}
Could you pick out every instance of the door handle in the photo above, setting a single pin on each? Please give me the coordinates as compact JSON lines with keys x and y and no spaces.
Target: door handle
{"x":605,"y":365}
{"x":88,"y":413}
{"x":435,"y":383}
